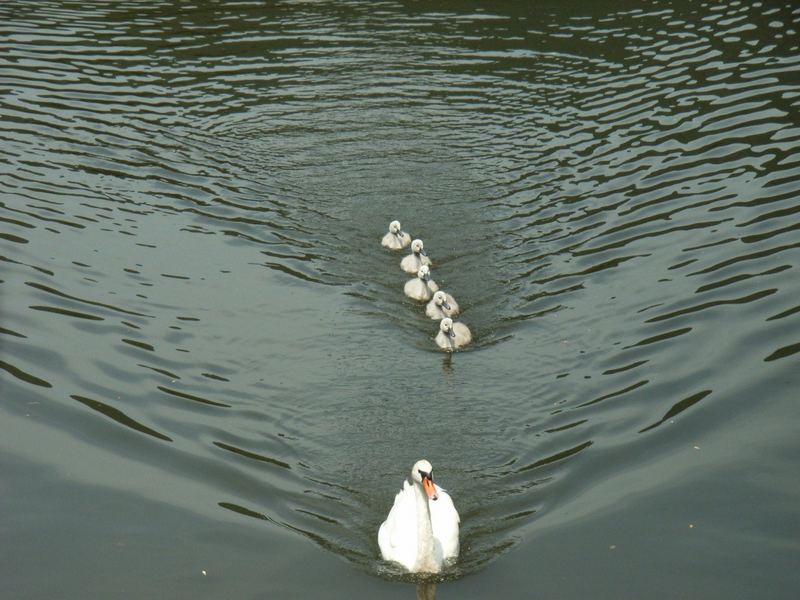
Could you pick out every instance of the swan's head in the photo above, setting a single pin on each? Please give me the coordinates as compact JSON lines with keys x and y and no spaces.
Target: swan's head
{"x":424,"y":273}
{"x":422,"y":473}
{"x":446,"y":327}
{"x":394,"y":227}
{"x":418,"y":248}
{"x":441,"y":300}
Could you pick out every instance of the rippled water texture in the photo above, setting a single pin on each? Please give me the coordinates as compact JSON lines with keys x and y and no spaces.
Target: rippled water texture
{"x":212,"y":384}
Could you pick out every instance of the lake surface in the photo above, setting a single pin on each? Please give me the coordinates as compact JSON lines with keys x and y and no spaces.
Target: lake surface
{"x":213,"y":386}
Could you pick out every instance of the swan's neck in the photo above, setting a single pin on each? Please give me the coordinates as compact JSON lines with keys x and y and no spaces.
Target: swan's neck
{"x":426,"y":559}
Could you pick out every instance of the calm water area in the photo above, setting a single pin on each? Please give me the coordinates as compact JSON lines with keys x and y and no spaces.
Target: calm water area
{"x":212,"y":385}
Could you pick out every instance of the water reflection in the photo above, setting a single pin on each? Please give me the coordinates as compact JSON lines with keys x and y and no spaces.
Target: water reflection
{"x":426,"y":591}
{"x":447,"y":366}
{"x":191,"y":278}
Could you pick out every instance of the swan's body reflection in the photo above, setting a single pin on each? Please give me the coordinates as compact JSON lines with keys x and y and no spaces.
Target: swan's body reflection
{"x":426,"y":590}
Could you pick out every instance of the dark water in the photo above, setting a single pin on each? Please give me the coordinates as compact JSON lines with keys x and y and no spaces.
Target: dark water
{"x":212,"y":384}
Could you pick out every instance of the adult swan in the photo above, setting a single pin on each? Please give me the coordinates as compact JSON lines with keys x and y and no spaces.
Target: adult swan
{"x":421,"y":531}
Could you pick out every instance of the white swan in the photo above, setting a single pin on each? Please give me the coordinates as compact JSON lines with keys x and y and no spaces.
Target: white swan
{"x":422,"y":286}
{"x":396,"y":239}
{"x":452,"y":335}
{"x":442,"y":305}
{"x":421,"y":531}
{"x":417,"y":258}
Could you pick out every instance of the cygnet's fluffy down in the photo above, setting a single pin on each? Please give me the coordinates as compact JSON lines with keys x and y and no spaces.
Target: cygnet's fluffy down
{"x":396,"y":239}
{"x":441,"y":305}
{"x":421,"y":287}
{"x":417,"y":258}
{"x":452,"y":335}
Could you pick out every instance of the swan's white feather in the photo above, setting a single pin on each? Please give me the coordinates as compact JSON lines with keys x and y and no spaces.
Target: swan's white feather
{"x":412,"y":262}
{"x":437,"y":312}
{"x":463,"y":336}
{"x":395,"y":241}
{"x":418,"y":289}
{"x":445,"y":521}
{"x":397,"y":536}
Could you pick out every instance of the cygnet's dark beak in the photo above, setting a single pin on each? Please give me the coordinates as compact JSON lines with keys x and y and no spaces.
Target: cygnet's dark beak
{"x":446,"y":305}
{"x":451,"y":333}
{"x":423,"y":252}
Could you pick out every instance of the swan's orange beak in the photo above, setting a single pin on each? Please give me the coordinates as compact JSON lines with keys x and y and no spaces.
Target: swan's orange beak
{"x":430,"y":489}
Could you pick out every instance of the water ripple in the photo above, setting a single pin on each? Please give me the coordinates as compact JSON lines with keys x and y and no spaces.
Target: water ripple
{"x":193,"y":198}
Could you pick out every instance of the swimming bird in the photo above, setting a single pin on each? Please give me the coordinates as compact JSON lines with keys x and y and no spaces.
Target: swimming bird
{"x":442,"y":305}
{"x":396,"y":239}
{"x":421,"y":530}
{"x":452,"y":335}
{"x":422,"y":286}
{"x":412,"y":262}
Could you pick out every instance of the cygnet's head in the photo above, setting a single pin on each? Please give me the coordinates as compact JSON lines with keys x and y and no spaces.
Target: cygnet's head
{"x":417,"y":247}
{"x":446,"y":327}
{"x":424,"y":272}
{"x":422,"y":473}
{"x":440,"y":299}
{"x":394,"y":227}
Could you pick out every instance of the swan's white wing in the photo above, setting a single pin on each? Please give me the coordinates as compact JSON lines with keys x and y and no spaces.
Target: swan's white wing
{"x":410,"y":264}
{"x":433,"y":311}
{"x":390,"y":241}
{"x":395,"y":242}
{"x":443,"y":342}
{"x":445,"y":520}
{"x":397,"y":536}
{"x":454,"y":309}
{"x":463,"y":335}
{"x":416,"y":289}
{"x":409,"y":288}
